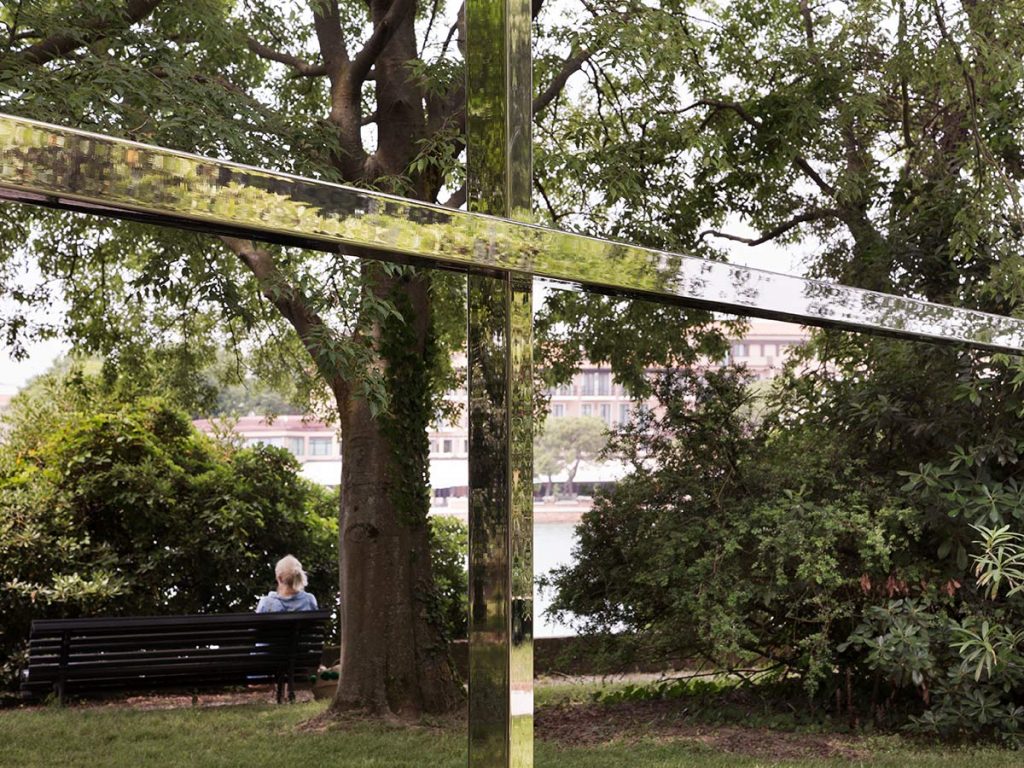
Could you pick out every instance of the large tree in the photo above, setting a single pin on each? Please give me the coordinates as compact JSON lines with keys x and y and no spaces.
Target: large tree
{"x":363,"y":93}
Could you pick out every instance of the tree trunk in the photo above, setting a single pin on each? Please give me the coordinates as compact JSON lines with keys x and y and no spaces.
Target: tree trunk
{"x":570,"y":476}
{"x":393,"y":659}
{"x":394,"y":655}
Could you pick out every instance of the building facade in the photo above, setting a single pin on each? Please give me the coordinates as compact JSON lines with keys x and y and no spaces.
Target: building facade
{"x":592,"y":392}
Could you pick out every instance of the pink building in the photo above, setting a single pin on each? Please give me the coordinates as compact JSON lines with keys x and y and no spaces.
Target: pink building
{"x":592,"y":392}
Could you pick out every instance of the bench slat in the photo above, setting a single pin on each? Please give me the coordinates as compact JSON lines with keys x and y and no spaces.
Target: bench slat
{"x":152,"y":651}
{"x":207,"y":620}
{"x":154,"y":641}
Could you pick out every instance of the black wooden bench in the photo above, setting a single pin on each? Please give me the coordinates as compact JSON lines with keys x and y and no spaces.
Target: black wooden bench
{"x":93,"y":656}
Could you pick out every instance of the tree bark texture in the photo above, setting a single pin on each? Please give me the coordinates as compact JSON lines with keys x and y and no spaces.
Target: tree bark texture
{"x":394,"y":654}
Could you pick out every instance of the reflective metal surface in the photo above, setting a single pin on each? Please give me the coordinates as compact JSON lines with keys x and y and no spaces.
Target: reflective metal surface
{"x":500,"y":523}
{"x":499,"y":167}
{"x":520,"y":339}
{"x":56,"y":166}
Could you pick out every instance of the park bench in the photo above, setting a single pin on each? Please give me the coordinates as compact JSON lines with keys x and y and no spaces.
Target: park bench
{"x":94,"y":656}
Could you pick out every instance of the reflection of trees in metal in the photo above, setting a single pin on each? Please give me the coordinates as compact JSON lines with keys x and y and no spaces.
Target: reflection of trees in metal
{"x":75,"y":169}
{"x":500,"y":358}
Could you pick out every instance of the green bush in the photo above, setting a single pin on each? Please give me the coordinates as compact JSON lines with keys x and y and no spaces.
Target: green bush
{"x":827,"y":532}
{"x":449,"y":538}
{"x":121,"y":509}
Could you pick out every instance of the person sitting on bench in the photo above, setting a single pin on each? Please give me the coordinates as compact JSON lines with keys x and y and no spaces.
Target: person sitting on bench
{"x":291,"y":594}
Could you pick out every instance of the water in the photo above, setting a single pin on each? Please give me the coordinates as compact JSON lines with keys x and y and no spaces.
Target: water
{"x":552,"y":547}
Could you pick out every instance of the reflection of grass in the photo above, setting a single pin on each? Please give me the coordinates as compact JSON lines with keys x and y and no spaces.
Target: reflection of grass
{"x":255,"y":736}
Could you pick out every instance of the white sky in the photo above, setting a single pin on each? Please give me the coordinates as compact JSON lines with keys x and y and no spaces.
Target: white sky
{"x":15,"y":374}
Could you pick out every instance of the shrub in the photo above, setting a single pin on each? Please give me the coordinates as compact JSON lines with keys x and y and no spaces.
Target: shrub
{"x":108,"y":508}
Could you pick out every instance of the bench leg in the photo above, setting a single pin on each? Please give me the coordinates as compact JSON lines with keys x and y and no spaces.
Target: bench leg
{"x":280,"y":691}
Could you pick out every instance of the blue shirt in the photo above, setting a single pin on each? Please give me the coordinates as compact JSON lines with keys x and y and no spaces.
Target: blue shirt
{"x":274,"y":603}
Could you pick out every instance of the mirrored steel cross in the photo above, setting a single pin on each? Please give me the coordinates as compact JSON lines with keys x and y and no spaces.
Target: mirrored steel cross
{"x":63,"y":168}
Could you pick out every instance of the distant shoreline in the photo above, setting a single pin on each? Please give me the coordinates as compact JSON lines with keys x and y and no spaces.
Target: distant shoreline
{"x":543,"y":514}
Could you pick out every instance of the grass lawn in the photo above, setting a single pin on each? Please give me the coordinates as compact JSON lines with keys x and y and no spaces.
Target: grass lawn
{"x":257,"y":735}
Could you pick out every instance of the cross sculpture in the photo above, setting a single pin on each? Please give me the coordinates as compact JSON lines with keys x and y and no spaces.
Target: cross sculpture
{"x":73,"y":170}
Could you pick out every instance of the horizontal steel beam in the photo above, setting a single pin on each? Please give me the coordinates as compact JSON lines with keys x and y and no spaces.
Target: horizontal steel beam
{"x":65,"y":168}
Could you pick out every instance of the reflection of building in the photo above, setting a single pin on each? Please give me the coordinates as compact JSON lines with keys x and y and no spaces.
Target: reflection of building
{"x":592,"y":392}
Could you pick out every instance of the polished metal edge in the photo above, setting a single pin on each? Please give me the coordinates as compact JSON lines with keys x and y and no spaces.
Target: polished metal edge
{"x":66,"y":168}
{"x":489,"y":499}
{"x":500,"y":359}
{"x":521,"y":384}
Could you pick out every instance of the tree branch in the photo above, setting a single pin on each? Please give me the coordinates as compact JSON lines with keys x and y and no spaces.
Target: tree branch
{"x":382,"y":33}
{"x":63,"y":43}
{"x":198,"y":77}
{"x":799,"y":161}
{"x":555,"y":218}
{"x":569,"y":67}
{"x":327,"y":23}
{"x":290,"y":302}
{"x":458,"y":198}
{"x":434,"y":7}
{"x":301,"y":67}
{"x":805,"y":12}
{"x":814,"y":214}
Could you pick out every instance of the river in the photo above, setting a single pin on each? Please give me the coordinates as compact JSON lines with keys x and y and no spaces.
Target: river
{"x":552,"y":546}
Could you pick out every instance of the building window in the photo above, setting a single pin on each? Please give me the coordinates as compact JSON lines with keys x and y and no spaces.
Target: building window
{"x":297,"y":445}
{"x":604,"y":383}
{"x":446,"y":446}
{"x":588,"y":409}
{"x":589,"y":384}
{"x":623,"y":413}
{"x":606,"y":413}
{"x":739,"y":350}
{"x":319,"y":446}
{"x":558,"y":410}
{"x":465,"y":446}
{"x":275,"y":441}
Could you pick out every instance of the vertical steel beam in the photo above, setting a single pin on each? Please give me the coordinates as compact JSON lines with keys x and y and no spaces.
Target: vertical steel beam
{"x":499,"y":178}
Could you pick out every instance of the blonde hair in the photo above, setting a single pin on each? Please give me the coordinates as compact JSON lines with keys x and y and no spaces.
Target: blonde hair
{"x":289,"y":572}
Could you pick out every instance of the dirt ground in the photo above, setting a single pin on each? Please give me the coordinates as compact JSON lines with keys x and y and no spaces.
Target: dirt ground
{"x":592,"y":724}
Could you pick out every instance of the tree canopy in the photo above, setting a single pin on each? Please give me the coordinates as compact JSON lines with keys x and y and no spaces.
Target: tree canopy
{"x":564,"y":443}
